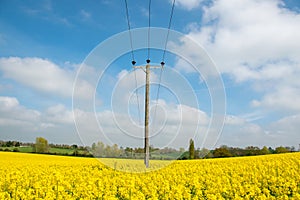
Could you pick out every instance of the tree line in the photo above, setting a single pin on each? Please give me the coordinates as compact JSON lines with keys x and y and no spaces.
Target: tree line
{"x":41,"y":145}
{"x":100,"y":149}
{"x":226,"y":151}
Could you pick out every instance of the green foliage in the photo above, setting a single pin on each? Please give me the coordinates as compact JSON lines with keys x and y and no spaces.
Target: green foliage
{"x":252,"y":151}
{"x":184,"y":156}
{"x":102,"y":150}
{"x":192,"y":149}
{"x":41,"y":145}
{"x":203,"y":153}
{"x":281,"y":150}
{"x":222,"y":152}
{"x":265,"y":150}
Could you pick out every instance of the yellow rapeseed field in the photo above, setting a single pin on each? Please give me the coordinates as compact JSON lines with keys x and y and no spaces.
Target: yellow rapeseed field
{"x":30,"y":176}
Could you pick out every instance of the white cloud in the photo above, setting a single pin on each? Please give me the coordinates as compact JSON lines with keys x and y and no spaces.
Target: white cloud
{"x":248,"y":33}
{"x":285,"y":131}
{"x":174,"y":123}
{"x":188,"y":4}
{"x":18,"y":122}
{"x":13,"y":113}
{"x":238,"y":132}
{"x":59,"y":114}
{"x":10,"y":107}
{"x":126,"y":79}
{"x":254,"y":41}
{"x":253,"y":116}
{"x":241,"y":133}
{"x":127,"y":86}
{"x":44,"y":76}
{"x":184,"y":66}
{"x":287,"y":125}
{"x":233,"y":120}
{"x":8,"y":102}
{"x":282,"y":98}
{"x":37,"y":73}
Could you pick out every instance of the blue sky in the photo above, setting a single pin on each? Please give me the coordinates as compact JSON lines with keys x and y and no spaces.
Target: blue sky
{"x":254,"y":45}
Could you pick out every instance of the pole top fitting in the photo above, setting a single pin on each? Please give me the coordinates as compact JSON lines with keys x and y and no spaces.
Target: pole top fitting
{"x":148,"y":61}
{"x":133,"y":62}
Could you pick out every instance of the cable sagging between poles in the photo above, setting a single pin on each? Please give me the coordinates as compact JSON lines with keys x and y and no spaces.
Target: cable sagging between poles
{"x":149,"y":25}
{"x":133,"y":62}
{"x":167,"y":38}
{"x":129,"y":30}
{"x":163,"y":58}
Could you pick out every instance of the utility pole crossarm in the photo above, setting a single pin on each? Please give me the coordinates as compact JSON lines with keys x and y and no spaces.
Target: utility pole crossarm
{"x":144,"y":67}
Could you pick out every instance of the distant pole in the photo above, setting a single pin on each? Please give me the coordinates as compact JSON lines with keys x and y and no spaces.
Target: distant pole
{"x":146,"y":150}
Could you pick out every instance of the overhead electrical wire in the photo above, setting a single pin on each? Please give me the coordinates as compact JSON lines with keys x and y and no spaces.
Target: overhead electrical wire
{"x":148,"y":52}
{"x":129,"y":30}
{"x":168,"y":33}
{"x":133,"y":62}
{"x":163,"y":59}
{"x":149,"y":26}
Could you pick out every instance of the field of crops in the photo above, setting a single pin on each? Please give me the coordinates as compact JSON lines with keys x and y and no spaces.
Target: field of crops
{"x":30,"y":176}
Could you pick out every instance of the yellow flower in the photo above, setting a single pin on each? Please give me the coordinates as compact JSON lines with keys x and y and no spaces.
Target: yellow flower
{"x":33,"y":176}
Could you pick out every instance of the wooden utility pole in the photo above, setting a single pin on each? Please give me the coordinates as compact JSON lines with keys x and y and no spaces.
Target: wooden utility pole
{"x":147,"y":102}
{"x":146,"y":149}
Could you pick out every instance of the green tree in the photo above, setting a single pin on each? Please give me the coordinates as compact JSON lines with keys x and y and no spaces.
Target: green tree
{"x":129,"y":152}
{"x":252,"y":151}
{"x":98,"y":149}
{"x":265,"y":150}
{"x":41,"y":145}
{"x":204,"y":153}
{"x":281,"y":149}
{"x":94,"y":146}
{"x":181,"y":150}
{"x":192,"y":149}
{"x":115,"y":151}
{"x":108,"y":151}
{"x":222,"y":152}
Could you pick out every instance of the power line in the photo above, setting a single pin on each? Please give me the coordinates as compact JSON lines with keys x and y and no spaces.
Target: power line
{"x":147,"y":71}
{"x":167,"y":38}
{"x":149,"y":24}
{"x":133,"y":61}
{"x":163,"y":59}
{"x":129,"y":30}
